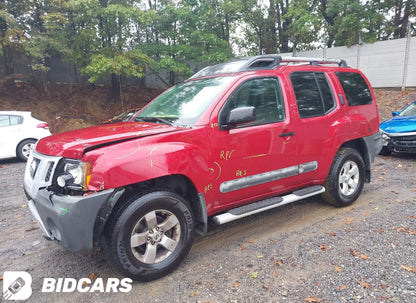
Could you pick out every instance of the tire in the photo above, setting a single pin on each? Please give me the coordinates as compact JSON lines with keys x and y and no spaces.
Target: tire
{"x":345,"y":180}
{"x":150,"y":235}
{"x":24,"y":148}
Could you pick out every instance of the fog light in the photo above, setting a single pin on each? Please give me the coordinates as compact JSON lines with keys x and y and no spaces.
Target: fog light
{"x":62,"y":180}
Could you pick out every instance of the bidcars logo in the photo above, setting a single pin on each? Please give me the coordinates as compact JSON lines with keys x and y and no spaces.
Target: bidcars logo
{"x":17,"y":285}
{"x":86,"y":285}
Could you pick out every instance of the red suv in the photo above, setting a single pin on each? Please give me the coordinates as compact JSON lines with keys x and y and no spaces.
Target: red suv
{"x":235,"y":139}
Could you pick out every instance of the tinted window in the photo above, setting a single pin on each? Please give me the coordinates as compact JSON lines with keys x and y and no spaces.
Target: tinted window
{"x":313,"y":94}
{"x":356,"y":89}
{"x":264,"y":94}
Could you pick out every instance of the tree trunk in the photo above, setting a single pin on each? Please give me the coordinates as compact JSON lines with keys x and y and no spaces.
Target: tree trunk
{"x":115,"y":87}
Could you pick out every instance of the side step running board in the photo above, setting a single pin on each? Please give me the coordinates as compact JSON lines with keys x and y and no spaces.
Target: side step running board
{"x":257,"y":207}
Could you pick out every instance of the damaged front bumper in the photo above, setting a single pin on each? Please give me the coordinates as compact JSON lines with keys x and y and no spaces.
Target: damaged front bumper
{"x":69,"y":220}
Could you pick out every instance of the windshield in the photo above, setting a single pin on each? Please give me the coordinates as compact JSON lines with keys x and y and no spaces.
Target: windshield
{"x":183,"y":104}
{"x":409,"y":111}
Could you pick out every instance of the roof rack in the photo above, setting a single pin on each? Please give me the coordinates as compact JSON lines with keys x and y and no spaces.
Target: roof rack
{"x":261,"y":62}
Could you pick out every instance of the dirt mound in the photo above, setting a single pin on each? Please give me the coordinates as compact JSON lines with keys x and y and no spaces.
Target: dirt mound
{"x":66,"y":107}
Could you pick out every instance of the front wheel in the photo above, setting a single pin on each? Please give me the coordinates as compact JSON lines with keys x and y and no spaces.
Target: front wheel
{"x":345,"y":180}
{"x":150,"y":235}
{"x":24,"y":148}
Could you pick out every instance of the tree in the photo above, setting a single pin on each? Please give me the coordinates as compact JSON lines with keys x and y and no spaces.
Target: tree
{"x":184,"y":35}
{"x":399,"y":15}
{"x":349,"y":22}
{"x":12,"y":29}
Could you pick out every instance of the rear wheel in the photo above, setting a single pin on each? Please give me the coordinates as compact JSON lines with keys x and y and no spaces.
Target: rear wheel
{"x":345,"y":180}
{"x":151,"y":235}
{"x":24,"y":148}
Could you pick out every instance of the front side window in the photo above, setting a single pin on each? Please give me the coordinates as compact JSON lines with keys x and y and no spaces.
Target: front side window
{"x":313,"y":94}
{"x":264,"y":94}
{"x":355,"y":88}
{"x":184,"y":103}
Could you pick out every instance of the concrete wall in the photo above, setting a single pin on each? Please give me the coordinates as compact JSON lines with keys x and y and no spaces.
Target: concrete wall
{"x":389,"y":63}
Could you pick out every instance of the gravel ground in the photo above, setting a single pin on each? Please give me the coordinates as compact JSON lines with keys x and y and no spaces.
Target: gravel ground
{"x":303,"y":252}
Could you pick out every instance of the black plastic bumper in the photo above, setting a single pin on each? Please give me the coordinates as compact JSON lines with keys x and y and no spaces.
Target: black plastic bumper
{"x":68,"y":220}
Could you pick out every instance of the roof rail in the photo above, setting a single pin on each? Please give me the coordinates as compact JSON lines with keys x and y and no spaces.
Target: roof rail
{"x":315,"y":61}
{"x":260,"y":62}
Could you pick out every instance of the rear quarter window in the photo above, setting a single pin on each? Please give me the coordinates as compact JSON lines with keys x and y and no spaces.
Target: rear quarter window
{"x":355,"y":88}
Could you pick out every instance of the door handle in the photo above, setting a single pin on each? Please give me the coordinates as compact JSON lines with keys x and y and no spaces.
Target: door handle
{"x":289,"y":134}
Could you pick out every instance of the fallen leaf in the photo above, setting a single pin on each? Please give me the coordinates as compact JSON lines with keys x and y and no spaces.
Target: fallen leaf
{"x":254,"y":274}
{"x":279,"y":263}
{"x":92,"y":278}
{"x":399,"y":166}
{"x":17,"y":216}
{"x":310,"y":299}
{"x":349,"y":221}
{"x":409,"y":231}
{"x":384,"y":286}
{"x":365,"y":284}
{"x":342,"y":287}
{"x":236,"y":283}
{"x":323,"y":247}
{"x":242,"y":247}
{"x":266,"y":287}
{"x":337,"y":269}
{"x":260,"y":256}
{"x":410,"y":269}
{"x":353,"y":253}
{"x":332,"y":234}
{"x":193,"y":294}
{"x":364,"y":257}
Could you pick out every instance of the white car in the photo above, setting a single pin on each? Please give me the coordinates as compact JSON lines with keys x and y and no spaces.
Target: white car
{"x":19,"y":132}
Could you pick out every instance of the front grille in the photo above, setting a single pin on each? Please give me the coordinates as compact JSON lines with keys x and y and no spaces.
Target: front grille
{"x":404,"y":141}
{"x":40,"y":169}
{"x":49,"y":172}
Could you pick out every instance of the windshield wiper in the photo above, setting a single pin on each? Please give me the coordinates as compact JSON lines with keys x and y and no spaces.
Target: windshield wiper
{"x":154,"y":119}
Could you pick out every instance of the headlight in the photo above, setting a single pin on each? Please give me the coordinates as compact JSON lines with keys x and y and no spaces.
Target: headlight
{"x":74,"y":174}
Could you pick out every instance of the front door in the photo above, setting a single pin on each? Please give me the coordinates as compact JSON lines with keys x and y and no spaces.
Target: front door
{"x":257,"y":159}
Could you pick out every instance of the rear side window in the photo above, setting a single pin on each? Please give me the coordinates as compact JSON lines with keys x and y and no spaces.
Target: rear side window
{"x":6,"y":120}
{"x":313,"y":94}
{"x":355,"y":88}
{"x":15,"y":120}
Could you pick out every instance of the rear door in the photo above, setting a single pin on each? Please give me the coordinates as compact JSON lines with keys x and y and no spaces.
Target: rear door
{"x":316,"y":122}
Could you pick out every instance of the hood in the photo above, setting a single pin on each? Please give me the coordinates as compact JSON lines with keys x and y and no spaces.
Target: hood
{"x":399,"y":125}
{"x":73,"y":144}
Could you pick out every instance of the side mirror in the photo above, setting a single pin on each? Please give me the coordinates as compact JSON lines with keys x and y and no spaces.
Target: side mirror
{"x":239,"y":115}
{"x":395,"y":113}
